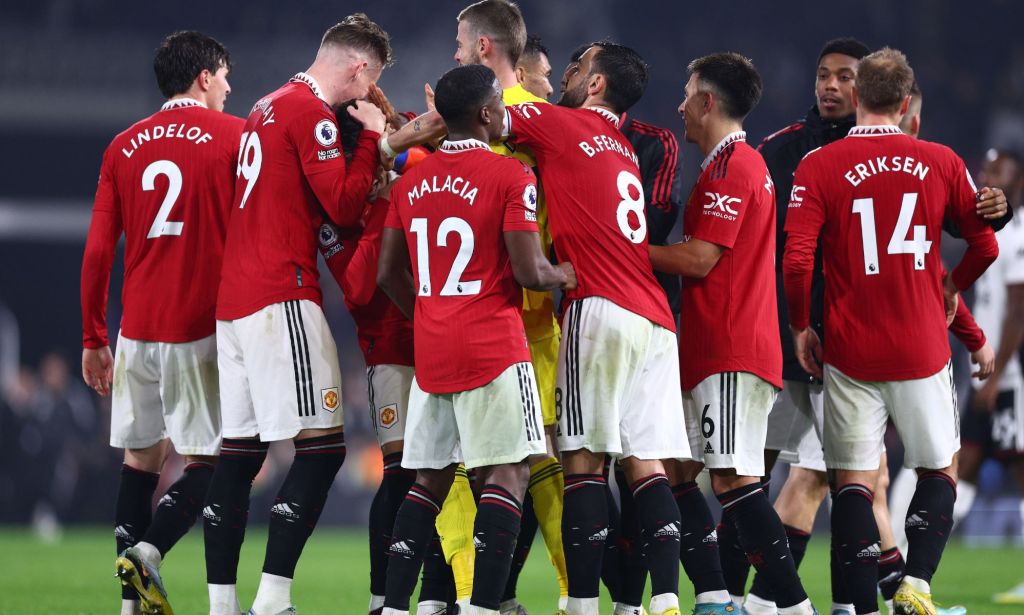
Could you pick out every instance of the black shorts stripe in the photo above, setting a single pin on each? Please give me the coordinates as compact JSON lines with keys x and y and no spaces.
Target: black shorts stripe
{"x":299,"y":403}
{"x":373,"y":406}
{"x":575,"y":404}
{"x":721,"y":413}
{"x":952,"y":390}
{"x":305,"y":370}
{"x":732,"y":414}
{"x":524,"y":397}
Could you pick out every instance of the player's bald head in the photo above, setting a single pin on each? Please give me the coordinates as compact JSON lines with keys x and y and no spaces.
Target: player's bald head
{"x":884,"y":81}
{"x":499,"y":21}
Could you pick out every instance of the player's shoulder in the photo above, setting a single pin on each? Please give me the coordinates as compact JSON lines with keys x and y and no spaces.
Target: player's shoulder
{"x":646,"y":128}
{"x":782,"y":139}
{"x":517,"y":95}
{"x":737,"y":161}
{"x":937,"y":151}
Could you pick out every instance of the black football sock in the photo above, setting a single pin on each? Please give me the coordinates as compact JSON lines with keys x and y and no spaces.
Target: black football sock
{"x":699,"y":543}
{"x":584,"y":531}
{"x":798,"y":540}
{"x":764,"y":540}
{"x":414,"y":532}
{"x":133,"y":512}
{"x":527,"y":532}
{"x":659,"y":529}
{"x":389,"y":496}
{"x":226,"y":510}
{"x":179,"y":507}
{"x":890,"y":572}
{"x":855,"y":538}
{"x":840,"y":595}
{"x":929,"y":522}
{"x":735,"y":565}
{"x":498,"y":518}
{"x":438,"y":581}
{"x":632,"y":568}
{"x":611,"y":564}
{"x":300,"y":501}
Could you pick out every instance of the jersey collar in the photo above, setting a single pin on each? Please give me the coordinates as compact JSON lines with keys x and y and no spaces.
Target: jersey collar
{"x":311,"y":82}
{"x":874,"y":131}
{"x":608,"y":115}
{"x":463,"y":145}
{"x":181,"y":103}
{"x":729,"y":139}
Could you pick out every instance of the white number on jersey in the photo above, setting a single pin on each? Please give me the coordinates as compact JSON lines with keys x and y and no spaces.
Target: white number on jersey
{"x":900,"y":241}
{"x":250,"y":159}
{"x":629,"y":204}
{"x":161,"y":225}
{"x":454,"y":285}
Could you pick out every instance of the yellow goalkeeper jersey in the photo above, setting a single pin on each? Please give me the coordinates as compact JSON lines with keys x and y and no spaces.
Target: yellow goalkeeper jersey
{"x":538,"y":307}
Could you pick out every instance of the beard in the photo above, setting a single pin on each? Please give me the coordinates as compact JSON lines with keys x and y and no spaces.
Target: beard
{"x":575,"y":97}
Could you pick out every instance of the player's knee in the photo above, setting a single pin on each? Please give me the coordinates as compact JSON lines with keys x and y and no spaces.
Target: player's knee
{"x":209,"y":459}
{"x":725,"y":480}
{"x":949,"y":471}
{"x":437,"y":482}
{"x":513,"y":477}
{"x":149,"y":459}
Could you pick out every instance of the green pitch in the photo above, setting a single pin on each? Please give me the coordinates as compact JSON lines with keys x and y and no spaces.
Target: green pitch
{"x":76,"y":575}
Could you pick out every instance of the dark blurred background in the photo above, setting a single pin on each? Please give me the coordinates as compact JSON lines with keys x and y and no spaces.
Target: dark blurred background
{"x":75,"y":73}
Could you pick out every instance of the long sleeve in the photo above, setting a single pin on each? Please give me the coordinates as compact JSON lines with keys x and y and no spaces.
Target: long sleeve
{"x":100,"y":248}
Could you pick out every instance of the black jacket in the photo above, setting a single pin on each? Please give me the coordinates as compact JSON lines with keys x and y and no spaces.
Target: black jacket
{"x":658,"y":152}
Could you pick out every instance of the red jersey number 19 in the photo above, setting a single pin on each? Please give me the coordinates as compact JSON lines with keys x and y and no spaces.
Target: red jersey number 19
{"x":631,"y":204}
{"x":899,"y":242}
{"x":250,"y":159}
{"x":453,"y":286}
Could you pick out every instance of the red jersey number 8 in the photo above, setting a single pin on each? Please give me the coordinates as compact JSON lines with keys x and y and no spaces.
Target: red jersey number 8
{"x":630,"y":204}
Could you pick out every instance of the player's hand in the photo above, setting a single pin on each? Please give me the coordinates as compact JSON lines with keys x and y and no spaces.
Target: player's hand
{"x":428,"y":97}
{"x":377,"y":97}
{"x":991,"y":203}
{"x":369,"y":115}
{"x":951,"y":297}
{"x":808,"y":350}
{"x":984,"y":399}
{"x":985,"y":359}
{"x":570,"y":275}
{"x":98,"y":369}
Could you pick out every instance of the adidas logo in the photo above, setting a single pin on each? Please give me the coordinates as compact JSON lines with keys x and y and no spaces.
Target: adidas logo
{"x":671,"y":530}
{"x":915,"y":521}
{"x":603,"y":535}
{"x":711,"y":538}
{"x":479,"y":544}
{"x":284,"y":510}
{"x":209,"y":514}
{"x":892,"y":577}
{"x":167,"y":500}
{"x":870,"y":551}
{"x":708,"y":449}
{"x":401,"y":548}
{"x":123,"y":533}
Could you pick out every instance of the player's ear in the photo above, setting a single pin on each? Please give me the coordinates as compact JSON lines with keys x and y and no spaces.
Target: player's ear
{"x":204,"y":79}
{"x":905,"y":105}
{"x":484,"y":45}
{"x":915,"y":125}
{"x":596,"y":84}
{"x":853,"y":97}
{"x":520,"y":73}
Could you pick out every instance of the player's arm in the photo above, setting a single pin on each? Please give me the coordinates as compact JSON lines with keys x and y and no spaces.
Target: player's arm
{"x":692,"y":259}
{"x":982,"y":248}
{"x":529,"y":266}
{"x":341,"y":191}
{"x":663,"y":188}
{"x":393,"y":275}
{"x":804,"y":219}
{"x":536,"y":125}
{"x":425,"y":128}
{"x":360,"y":280}
{"x":100,"y":248}
{"x":991,"y":206}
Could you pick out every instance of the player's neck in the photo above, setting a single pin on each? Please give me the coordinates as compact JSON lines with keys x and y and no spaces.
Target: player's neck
{"x":194,"y":93}
{"x":328,"y":88}
{"x":867,"y":118}
{"x":715,"y":133}
{"x":478,"y":133}
{"x":505,"y":72}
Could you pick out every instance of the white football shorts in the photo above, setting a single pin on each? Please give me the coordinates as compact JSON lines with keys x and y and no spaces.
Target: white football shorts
{"x":279,"y":372}
{"x":618,"y":389}
{"x":163,"y":390}
{"x":499,"y":422}
{"x":389,"y":387}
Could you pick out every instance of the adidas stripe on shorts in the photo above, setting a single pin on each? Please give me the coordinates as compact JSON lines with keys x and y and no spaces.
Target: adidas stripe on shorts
{"x":279,"y":372}
{"x":727,"y":421}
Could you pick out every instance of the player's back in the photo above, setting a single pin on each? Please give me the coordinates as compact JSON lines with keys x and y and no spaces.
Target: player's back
{"x":884,"y":196}
{"x":172,"y":177}
{"x":454,"y":209}
{"x":596,"y":204}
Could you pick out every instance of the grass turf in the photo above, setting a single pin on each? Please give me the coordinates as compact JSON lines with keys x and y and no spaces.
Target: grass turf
{"x":75,"y":576}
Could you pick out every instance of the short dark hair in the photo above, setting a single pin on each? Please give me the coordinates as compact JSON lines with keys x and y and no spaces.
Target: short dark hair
{"x":578,"y":52}
{"x":884,"y":79}
{"x":733,"y":79}
{"x":534,"y":47}
{"x":461,"y":92}
{"x":915,"y":90}
{"x":501,"y":21}
{"x":847,"y":45}
{"x":358,"y":32}
{"x":625,"y":74}
{"x":182,"y":56}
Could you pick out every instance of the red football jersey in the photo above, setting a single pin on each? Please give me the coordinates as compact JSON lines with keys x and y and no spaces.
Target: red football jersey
{"x":454,"y":208}
{"x":729,"y":320}
{"x":291,"y":171}
{"x":878,"y":199}
{"x":166,"y":182}
{"x":385,"y":334}
{"x":595,"y":202}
